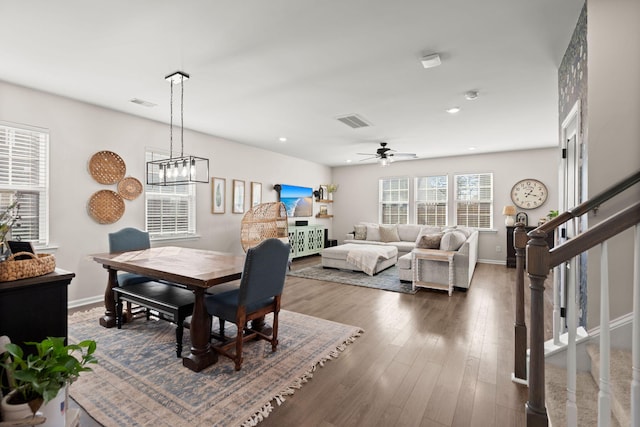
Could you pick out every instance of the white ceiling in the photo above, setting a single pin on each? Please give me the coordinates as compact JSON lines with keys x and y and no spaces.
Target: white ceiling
{"x":262,"y":69}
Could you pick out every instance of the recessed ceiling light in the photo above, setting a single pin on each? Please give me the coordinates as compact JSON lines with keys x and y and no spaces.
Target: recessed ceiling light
{"x":282,"y":139}
{"x":142,"y":102}
{"x":472,"y":148}
{"x":348,"y":160}
{"x":453,"y":110}
{"x":471,"y":95}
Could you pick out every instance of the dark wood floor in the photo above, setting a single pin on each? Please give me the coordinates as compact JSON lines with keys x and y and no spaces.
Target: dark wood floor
{"x":424,"y":360}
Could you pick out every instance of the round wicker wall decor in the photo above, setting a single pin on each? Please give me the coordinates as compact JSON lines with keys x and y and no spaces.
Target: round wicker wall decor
{"x":106,"y":206}
{"x":107,"y":167}
{"x":129,"y":188}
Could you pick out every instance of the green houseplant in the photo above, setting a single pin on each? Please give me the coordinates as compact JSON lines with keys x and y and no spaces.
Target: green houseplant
{"x":38,"y":378}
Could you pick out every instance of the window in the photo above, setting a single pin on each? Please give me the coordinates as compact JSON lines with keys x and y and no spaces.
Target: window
{"x":394,"y":200}
{"x":170,"y":211}
{"x":431,"y":200}
{"x":474,"y":200}
{"x":24,"y":173}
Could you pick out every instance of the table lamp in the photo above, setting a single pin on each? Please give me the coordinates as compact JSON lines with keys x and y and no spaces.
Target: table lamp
{"x":509,"y":212}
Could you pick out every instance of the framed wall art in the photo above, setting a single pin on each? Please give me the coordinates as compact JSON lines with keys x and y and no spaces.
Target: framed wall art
{"x":256,"y":193}
{"x":218,"y":195}
{"x":238,"y":196}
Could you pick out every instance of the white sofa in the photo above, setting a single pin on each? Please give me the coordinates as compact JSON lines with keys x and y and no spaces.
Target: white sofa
{"x":464,"y":260}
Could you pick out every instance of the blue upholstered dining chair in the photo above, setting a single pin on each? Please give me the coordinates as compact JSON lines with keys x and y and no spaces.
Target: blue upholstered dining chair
{"x":260,"y":290}
{"x":172,"y":303}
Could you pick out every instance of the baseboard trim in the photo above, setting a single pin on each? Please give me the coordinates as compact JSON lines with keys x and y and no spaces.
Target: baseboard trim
{"x":85,"y":301}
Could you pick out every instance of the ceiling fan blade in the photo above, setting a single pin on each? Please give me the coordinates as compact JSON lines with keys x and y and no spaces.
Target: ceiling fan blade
{"x":366,"y":154}
{"x":405,"y":155}
{"x":369,"y":158}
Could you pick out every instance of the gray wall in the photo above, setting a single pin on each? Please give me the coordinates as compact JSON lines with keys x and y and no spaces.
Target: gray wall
{"x":613,"y":150}
{"x":357,"y":197}
{"x":78,"y":130}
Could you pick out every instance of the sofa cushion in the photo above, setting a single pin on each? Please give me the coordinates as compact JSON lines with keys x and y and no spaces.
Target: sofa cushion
{"x":403,"y":246}
{"x":452,"y":240}
{"x":389,"y":233}
{"x":429,"y":241}
{"x":360,"y":232}
{"x":408,"y":232}
{"x":373,"y":233}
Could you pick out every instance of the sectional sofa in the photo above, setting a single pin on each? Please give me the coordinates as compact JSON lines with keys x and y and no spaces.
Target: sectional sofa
{"x":407,"y":237}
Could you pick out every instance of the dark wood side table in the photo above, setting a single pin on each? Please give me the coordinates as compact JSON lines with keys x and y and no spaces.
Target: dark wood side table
{"x":35,"y":308}
{"x":511,"y":251}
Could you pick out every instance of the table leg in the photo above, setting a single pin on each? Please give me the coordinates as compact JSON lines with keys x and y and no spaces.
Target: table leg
{"x":451,"y":273}
{"x":202,"y":355}
{"x":109,"y":318}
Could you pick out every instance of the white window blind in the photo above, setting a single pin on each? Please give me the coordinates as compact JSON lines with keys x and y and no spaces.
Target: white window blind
{"x":394,"y":200}
{"x":24,"y":173}
{"x":170,"y":211}
{"x":431,"y":200}
{"x":474,"y":200}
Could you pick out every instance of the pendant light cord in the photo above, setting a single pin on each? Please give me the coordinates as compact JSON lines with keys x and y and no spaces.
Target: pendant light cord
{"x":171,"y":124}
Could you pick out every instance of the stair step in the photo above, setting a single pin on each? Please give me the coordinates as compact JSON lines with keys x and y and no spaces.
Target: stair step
{"x":620,"y":383}
{"x":586,"y":397}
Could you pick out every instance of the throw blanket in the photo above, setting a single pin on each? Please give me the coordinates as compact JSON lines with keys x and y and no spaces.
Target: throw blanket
{"x":367,"y":259}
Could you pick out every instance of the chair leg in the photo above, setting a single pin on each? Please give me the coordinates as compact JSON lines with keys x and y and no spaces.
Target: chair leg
{"x":274,"y":336}
{"x":118,"y":312}
{"x":221,"y":322}
{"x":179,"y":333}
{"x":129,"y":313}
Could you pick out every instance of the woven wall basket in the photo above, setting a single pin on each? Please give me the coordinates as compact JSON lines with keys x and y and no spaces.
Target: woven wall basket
{"x":13,"y":269}
{"x":129,"y":188}
{"x":107,"y":167}
{"x":106,"y":206}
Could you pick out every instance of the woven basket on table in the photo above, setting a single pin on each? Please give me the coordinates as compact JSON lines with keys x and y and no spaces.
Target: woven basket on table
{"x":13,"y":269}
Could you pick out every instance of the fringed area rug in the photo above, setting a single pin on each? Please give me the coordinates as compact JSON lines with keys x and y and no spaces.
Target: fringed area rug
{"x":387,"y":280}
{"x":139,"y":381}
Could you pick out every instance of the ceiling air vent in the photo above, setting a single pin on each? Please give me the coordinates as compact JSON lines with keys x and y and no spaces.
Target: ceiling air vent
{"x":354,"y":121}
{"x":143,"y":102}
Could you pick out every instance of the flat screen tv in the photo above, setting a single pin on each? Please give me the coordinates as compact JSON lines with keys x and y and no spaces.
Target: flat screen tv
{"x":297,"y":200}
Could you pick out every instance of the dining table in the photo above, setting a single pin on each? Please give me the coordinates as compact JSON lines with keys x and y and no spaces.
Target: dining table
{"x":194,"y":269}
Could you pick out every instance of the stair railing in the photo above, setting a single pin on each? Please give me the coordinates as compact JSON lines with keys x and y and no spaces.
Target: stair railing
{"x":520,"y":240}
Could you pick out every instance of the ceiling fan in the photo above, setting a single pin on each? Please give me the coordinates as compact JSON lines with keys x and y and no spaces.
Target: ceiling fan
{"x":386,"y":155}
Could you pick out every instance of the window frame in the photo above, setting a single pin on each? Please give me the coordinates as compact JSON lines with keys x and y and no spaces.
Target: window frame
{"x":483,"y":199}
{"x":31,"y":188}
{"x":431,"y":201}
{"x":397,"y":203}
{"x":170,"y":198}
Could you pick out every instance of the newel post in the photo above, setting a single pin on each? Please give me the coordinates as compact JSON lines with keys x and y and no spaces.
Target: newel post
{"x":537,"y":269}
{"x":520,"y":327}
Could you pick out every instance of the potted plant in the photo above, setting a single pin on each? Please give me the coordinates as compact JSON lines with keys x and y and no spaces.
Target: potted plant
{"x":39,"y":378}
{"x":331,"y":188}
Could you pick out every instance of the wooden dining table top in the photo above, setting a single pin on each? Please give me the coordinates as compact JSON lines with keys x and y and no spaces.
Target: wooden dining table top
{"x":187,"y":266}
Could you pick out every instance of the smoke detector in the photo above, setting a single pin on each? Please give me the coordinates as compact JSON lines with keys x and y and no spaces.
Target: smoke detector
{"x":471,"y":95}
{"x":431,"y":61}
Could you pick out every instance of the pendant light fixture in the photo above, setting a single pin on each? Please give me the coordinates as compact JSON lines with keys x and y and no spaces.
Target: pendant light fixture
{"x":183,"y":169}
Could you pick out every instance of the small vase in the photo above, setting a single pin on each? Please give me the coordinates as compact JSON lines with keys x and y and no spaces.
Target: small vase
{"x":330,"y":196}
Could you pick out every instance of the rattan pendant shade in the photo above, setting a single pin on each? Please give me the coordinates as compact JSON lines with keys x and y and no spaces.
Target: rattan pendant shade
{"x":264,"y":221}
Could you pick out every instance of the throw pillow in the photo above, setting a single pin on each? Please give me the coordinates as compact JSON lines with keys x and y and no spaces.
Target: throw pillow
{"x":452,"y":240}
{"x":373,"y":233}
{"x":429,"y":241}
{"x":360,"y":231}
{"x":389,"y":233}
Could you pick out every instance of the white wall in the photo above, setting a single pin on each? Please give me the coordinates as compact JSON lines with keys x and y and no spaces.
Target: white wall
{"x":613,"y":37}
{"x":357,"y":197}
{"x":78,"y":130}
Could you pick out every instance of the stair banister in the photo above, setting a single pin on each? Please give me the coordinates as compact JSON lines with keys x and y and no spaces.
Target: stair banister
{"x":520,"y":326}
{"x":604,"y":393}
{"x":635,"y":352}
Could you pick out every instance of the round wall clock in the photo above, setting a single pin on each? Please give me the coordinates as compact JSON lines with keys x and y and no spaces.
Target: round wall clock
{"x":529,"y":194}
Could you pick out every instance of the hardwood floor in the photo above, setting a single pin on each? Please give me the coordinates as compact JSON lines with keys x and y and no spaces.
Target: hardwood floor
{"x":424,"y":360}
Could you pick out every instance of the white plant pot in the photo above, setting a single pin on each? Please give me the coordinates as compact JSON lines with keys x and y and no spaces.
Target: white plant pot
{"x":14,"y":412}
{"x":55,"y":410}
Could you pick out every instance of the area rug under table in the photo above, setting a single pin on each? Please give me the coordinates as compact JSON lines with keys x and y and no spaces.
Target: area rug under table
{"x":387,"y":280}
{"x":140,"y":382}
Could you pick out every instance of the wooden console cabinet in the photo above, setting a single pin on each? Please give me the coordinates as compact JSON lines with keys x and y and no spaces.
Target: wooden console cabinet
{"x":511,"y":250}
{"x":35,"y":308}
{"x":306,"y":240}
